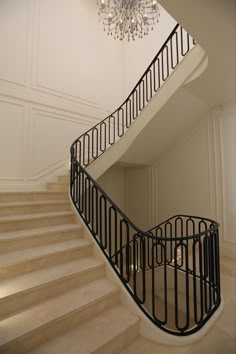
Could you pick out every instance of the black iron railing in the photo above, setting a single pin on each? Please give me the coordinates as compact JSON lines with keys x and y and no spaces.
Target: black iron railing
{"x":172,"y":270}
{"x":92,"y":144}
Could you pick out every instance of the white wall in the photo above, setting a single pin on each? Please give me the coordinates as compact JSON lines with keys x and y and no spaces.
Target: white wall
{"x":141,"y":196}
{"x":56,"y":74}
{"x":59,"y":75}
{"x":134,"y":190}
{"x":113,"y":183}
{"x":184,"y":176}
{"x":198,"y":175}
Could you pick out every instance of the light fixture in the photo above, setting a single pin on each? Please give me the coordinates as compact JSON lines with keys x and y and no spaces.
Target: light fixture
{"x":128,"y":18}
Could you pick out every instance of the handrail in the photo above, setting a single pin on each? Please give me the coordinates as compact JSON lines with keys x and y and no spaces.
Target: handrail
{"x":182,"y":252}
{"x":148,"y":68}
{"x":213,"y":227}
{"x":173,"y":60}
{"x":150,"y":233}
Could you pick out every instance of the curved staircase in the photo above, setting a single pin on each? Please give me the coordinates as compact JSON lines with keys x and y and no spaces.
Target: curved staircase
{"x":56,"y":293}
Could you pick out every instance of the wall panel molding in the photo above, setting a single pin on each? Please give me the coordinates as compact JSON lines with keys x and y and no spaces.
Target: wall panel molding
{"x":26,"y":95}
{"x":211,"y":167}
{"x":219,"y":173}
{"x":39,"y":174}
{"x":227,"y":136}
{"x":45,"y":116}
{"x":11,"y":82}
{"x":216,"y":182}
{"x":35,"y":84}
{"x":14,"y":145}
{"x":56,"y":114}
{"x":27,"y":31}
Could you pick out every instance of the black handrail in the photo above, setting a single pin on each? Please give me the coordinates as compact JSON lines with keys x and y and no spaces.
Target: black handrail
{"x":144,"y":74}
{"x":179,"y":258}
{"x":153,"y":74}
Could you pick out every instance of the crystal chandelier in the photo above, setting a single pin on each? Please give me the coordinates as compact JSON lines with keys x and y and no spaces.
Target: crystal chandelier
{"x":128,"y":18}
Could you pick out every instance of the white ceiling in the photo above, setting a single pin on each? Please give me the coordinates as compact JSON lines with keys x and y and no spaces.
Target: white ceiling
{"x":213,"y":24}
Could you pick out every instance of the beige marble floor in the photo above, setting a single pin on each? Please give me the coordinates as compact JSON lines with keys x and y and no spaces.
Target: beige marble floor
{"x":221,"y":339}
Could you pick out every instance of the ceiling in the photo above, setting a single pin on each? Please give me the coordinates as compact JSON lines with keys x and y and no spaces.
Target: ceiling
{"x":213,"y":24}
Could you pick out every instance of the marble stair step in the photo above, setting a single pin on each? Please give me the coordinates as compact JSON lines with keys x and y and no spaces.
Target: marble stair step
{"x":107,"y":333}
{"x":142,"y":345}
{"x":64,"y":178}
{"x":28,"y":260}
{"x":30,"y":221}
{"x":18,"y":240}
{"x":32,"y":196}
{"x":30,"y":207}
{"x":32,"y":327}
{"x":58,"y":186}
{"x":26,"y":290}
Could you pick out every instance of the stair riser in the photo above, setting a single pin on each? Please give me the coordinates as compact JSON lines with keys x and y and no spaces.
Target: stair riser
{"x":58,"y":186}
{"x":35,"y":338}
{"x":37,"y":241}
{"x":27,"y":197}
{"x":21,"y":301}
{"x":44,"y":261}
{"x":32,"y":209}
{"x":119,"y":342}
{"x":35,"y":223}
{"x":64,"y":179}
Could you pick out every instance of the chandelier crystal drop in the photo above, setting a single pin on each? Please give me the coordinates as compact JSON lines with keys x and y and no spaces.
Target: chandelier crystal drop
{"x":128,"y":19}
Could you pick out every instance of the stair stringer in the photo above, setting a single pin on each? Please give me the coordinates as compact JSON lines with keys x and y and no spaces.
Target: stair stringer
{"x":189,"y":69}
{"x":147,"y":329}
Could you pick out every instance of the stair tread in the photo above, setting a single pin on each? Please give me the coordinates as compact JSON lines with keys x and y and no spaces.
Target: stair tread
{"x":12,"y":258}
{"x":32,"y":203}
{"x":45,"y":191}
{"x":53,"y":309}
{"x":35,"y":216}
{"x":92,"y":334}
{"x":11,"y":235}
{"x":64,"y":176}
{"x":34,"y":279}
{"x":146,"y":346}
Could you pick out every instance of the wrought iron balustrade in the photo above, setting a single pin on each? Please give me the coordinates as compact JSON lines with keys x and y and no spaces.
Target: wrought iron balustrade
{"x":171,"y":271}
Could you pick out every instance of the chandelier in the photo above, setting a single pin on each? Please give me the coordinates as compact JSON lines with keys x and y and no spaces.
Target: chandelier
{"x":128,"y":18}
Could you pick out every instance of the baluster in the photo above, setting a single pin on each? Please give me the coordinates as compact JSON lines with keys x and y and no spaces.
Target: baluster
{"x":176,"y":287}
{"x":176,"y":52}
{"x":141,"y":95}
{"x":121,"y":124}
{"x":143,"y":267}
{"x":148,"y":81}
{"x":94,"y":143}
{"x":186,"y":287}
{"x":218,"y":285}
{"x":128,"y":113}
{"x":135,"y":264}
{"x":103,"y":221}
{"x":103,"y":137}
{"x":167,"y":64}
{"x":113,"y":235}
{"x":182,"y":42}
{"x":94,"y":214}
{"x":157,"y":80}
